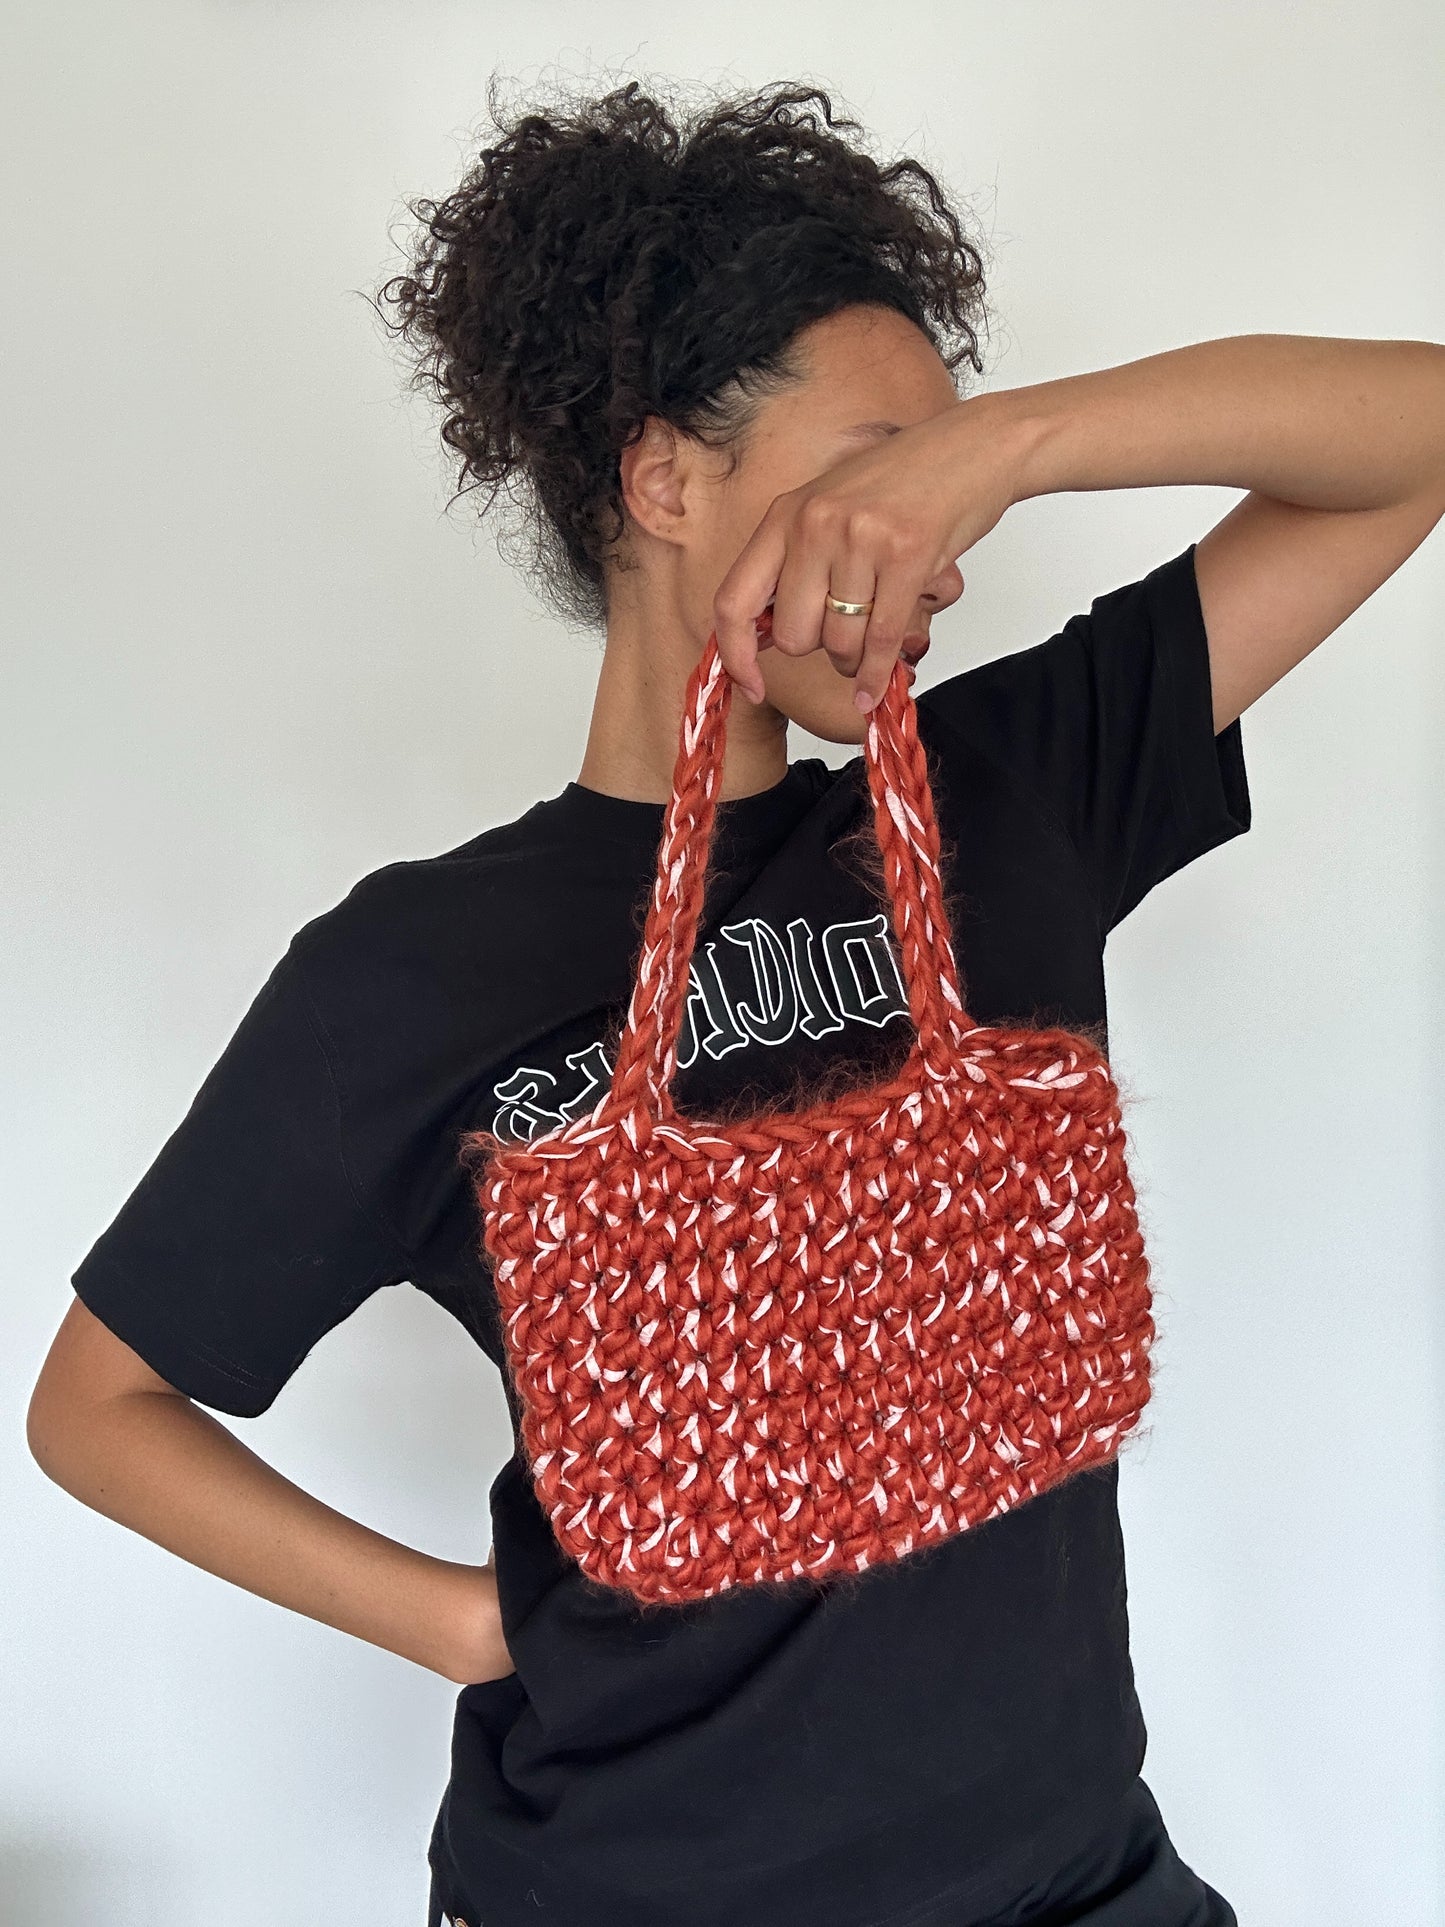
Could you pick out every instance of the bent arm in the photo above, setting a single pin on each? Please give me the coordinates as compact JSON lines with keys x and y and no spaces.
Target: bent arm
{"x":116,"y":1436}
{"x":1339,"y":443}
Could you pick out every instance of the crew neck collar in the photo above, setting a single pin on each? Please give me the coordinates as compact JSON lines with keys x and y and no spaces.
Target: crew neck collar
{"x":739,"y":818}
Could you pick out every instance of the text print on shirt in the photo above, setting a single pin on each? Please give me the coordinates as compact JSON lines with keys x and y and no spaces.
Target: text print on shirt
{"x":851,"y":977}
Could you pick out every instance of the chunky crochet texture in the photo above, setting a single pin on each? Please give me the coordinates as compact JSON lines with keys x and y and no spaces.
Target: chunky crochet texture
{"x":810,"y":1342}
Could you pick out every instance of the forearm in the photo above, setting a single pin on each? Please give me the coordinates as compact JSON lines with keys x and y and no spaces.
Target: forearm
{"x":1322,"y":422}
{"x":167,"y":1469}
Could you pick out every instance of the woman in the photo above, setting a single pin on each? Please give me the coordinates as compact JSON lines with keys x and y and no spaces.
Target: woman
{"x":714,"y":361}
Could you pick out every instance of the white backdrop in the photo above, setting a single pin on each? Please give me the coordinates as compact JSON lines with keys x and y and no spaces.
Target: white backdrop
{"x":249,"y":658}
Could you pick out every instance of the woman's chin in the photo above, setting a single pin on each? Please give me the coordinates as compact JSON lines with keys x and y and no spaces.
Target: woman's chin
{"x":829,"y":713}
{"x":812,"y":694}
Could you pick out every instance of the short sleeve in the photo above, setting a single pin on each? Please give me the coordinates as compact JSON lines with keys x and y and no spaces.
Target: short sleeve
{"x":246,"y":1240}
{"x":1109,"y":725}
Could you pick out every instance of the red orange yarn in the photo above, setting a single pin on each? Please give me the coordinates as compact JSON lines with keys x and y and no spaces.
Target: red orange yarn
{"x":815,"y":1341}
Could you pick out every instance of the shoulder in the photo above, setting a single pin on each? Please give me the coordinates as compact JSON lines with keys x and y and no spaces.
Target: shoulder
{"x":1022,"y":704}
{"x":1107,"y":725}
{"x":437,"y":960}
{"x":434,"y":904}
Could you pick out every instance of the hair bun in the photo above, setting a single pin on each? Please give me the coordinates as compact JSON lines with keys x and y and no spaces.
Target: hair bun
{"x":612,"y":258}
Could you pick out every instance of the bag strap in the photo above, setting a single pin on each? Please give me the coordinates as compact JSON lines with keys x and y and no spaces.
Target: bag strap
{"x":908,"y":838}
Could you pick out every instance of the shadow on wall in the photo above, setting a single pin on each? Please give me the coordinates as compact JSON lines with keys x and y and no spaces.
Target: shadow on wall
{"x":56,"y":1880}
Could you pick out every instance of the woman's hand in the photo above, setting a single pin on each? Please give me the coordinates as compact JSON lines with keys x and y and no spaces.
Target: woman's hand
{"x":887,"y":524}
{"x":478,"y":1652}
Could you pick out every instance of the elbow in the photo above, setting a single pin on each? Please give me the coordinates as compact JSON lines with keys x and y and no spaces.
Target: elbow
{"x":85,"y":1370}
{"x":56,"y":1424}
{"x":50,"y":1427}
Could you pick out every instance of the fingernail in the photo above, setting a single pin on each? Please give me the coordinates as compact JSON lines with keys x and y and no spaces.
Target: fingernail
{"x":863,"y":700}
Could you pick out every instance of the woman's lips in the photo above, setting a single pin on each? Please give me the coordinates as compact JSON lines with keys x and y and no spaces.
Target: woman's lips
{"x":914,"y":649}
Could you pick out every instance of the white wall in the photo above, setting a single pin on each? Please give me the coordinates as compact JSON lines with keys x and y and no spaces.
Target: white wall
{"x":249,"y":659}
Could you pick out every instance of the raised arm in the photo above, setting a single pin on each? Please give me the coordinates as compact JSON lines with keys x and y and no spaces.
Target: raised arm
{"x":1340,"y":445}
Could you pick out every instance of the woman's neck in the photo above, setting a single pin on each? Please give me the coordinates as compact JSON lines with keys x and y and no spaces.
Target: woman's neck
{"x":637,"y":713}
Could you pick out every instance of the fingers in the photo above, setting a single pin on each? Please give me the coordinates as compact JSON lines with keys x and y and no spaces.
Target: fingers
{"x":744,"y":593}
{"x":819,"y":562}
{"x":893,"y":610}
{"x":798,"y":604}
{"x":803,"y":550}
{"x":843,"y":636}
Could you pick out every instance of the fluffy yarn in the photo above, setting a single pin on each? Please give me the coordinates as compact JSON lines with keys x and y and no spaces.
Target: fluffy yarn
{"x":810,"y":1342}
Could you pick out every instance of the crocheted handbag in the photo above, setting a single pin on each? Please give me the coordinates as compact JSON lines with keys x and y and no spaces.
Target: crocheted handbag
{"x":811,"y":1342}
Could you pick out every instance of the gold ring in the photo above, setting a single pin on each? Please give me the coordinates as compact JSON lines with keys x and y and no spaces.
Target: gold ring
{"x":848,"y":608}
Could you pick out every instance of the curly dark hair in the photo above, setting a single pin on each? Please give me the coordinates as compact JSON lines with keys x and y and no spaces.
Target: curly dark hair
{"x":611,"y":259}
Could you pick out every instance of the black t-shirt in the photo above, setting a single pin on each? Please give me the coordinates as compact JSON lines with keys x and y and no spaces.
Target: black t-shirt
{"x":774,"y":1755}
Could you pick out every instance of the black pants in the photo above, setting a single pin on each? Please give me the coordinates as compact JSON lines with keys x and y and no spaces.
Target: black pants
{"x":1130,"y":1875}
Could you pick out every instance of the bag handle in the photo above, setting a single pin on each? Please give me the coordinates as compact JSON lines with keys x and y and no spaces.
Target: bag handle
{"x":907,"y":835}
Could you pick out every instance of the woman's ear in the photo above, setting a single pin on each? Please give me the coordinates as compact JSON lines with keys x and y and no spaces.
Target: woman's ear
{"x":653,"y":473}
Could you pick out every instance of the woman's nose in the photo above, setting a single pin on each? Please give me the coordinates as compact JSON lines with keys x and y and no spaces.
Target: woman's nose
{"x":944,"y":589}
